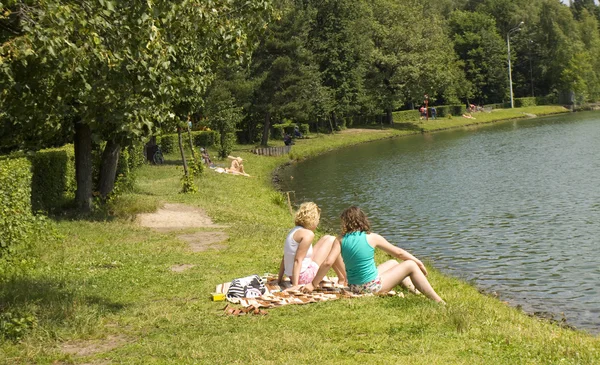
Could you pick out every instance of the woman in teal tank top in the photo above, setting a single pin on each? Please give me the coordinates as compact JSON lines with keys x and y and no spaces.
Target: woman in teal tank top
{"x":357,"y":245}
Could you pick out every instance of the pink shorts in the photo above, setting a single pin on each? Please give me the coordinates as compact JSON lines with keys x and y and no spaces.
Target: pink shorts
{"x":309,"y":274}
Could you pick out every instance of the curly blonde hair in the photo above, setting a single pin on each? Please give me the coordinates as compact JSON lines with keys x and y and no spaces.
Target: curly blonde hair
{"x":354,"y":220}
{"x":308,"y":215}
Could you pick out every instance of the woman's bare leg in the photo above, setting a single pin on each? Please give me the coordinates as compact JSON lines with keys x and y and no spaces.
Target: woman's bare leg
{"x":340,"y":270}
{"x":397,"y":273}
{"x":322,"y":249}
{"x":406,"y":283}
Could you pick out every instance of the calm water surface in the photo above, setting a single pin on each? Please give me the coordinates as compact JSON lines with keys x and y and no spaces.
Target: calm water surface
{"x":513,"y":207}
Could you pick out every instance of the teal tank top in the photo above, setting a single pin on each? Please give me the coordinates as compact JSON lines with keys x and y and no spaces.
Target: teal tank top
{"x":359,"y":258}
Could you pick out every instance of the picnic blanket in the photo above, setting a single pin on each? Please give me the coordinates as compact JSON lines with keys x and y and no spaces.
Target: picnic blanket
{"x":275,"y":296}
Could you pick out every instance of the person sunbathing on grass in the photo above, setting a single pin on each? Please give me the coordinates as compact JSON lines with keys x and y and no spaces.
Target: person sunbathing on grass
{"x":357,"y":246}
{"x":237,"y":166}
{"x":301,"y":261}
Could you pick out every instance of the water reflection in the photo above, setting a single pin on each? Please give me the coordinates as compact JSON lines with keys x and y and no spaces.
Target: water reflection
{"x":514,"y":205}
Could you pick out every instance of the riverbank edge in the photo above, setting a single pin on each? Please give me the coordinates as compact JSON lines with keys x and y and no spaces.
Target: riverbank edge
{"x":550,"y":317}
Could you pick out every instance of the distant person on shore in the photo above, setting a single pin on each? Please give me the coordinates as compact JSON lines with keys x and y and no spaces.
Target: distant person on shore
{"x":433,"y":112}
{"x":237,"y":166}
{"x":301,"y":261}
{"x":297,"y":133}
{"x":357,"y":246}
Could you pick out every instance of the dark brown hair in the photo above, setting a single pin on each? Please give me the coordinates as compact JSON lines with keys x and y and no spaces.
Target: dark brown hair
{"x":354,"y":220}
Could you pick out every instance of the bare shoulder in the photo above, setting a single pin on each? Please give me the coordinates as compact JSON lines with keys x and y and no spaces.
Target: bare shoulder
{"x":304,"y":234}
{"x":375,"y":239}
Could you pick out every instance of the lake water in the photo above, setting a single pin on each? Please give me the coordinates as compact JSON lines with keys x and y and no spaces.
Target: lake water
{"x":513,"y":207}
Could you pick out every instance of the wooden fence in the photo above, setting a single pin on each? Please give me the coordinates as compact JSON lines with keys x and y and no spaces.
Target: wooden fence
{"x":272,"y":151}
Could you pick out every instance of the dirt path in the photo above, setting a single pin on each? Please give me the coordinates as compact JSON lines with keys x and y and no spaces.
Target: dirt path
{"x":174,"y":217}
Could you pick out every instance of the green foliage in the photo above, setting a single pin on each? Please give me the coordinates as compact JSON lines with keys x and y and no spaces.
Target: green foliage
{"x":16,"y":219}
{"x":482,"y":52}
{"x":53,"y":182}
{"x":205,"y":138}
{"x":13,"y":326}
{"x":279,"y":129}
{"x":523,"y":102}
{"x":169,"y":143}
{"x":445,"y":110}
{"x":406,"y":116}
{"x":304,"y":129}
{"x":188,"y":183}
{"x":223,"y":116}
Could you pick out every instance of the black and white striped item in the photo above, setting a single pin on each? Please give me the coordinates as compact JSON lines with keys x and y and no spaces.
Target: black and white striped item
{"x":249,"y":287}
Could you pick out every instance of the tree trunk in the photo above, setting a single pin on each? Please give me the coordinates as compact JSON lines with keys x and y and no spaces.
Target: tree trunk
{"x":108,"y":171}
{"x":83,"y":166}
{"x":185,"y":167}
{"x":334,"y":120}
{"x":330,"y":124}
{"x":389,"y":117}
{"x":265,"y":136}
{"x":191,"y":144}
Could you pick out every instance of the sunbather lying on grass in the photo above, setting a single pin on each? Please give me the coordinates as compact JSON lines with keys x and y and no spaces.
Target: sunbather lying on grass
{"x":357,"y":246}
{"x":300,"y":260}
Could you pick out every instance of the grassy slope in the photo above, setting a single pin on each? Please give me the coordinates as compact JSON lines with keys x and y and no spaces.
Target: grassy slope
{"x":113,"y":278}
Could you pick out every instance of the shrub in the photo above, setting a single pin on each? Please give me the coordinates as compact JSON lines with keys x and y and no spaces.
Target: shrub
{"x":204,"y":138}
{"x":304,"y":129}
{"x":53,"y":181}
{"x":406,"y":116}
{"x":523,"y":102}
{"x":279,"y":129}
{"x":445,"y":110}
{"x":169,"y":142}
{"x":18,"y":225}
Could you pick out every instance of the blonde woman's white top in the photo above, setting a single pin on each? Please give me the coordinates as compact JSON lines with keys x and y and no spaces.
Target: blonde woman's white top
{"x":289,"y":253}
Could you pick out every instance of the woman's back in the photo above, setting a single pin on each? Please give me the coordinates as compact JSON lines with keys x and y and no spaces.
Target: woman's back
{"x":359,"y":258}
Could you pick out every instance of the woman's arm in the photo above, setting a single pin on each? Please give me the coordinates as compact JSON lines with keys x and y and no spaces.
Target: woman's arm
{"x":378,"y":241}
{"x":281,"y":270}
{"x":304,"y":237}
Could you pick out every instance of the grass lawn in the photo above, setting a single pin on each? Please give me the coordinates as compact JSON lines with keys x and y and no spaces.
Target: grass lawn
{"x":105,"y":293}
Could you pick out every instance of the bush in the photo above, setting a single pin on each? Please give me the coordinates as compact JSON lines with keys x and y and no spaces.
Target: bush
{"x":169,"y":142}
{"x":445,"y":110}
{"x":204,"y":138}
{"x":53,"y":181}
{"x":523,"y":102}
{"x":279,"y":129}
{"x":18,"y":225}
{"x":406,"y":116}
{"x":304,"y":129}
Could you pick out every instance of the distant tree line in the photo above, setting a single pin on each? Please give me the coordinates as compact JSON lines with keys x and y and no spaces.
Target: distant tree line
{"x":331,"y":61}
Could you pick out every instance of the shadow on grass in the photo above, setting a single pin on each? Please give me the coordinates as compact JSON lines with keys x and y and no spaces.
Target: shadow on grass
{"x":51,"y":301}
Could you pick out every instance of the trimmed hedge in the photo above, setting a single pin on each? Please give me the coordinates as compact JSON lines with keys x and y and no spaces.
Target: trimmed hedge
{"x":406,"y":116}
{"x":445,"y":110}
{"x":53,"y":181}
{"x":17,"y":222}
{"x":169,"y":142}
{"x":278,"y":129}
{"x":523,"y":102}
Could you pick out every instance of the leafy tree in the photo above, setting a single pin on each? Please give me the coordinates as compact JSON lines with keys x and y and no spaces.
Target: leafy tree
{"x":483,"y":52}
{"x":340,"y":41}
{"x":223,"y":116}
{"x":113,"y":71}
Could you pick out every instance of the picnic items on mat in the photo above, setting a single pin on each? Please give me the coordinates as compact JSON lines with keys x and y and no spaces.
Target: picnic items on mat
{"x":274,"y":295}
{"x":248,"y":287}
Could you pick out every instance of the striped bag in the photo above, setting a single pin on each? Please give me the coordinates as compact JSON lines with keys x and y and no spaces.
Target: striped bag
{"x":249,"y":287}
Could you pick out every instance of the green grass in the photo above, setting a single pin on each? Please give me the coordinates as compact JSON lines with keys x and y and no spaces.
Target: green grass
{"x":488,"y":117}
{"x":113,"y":278}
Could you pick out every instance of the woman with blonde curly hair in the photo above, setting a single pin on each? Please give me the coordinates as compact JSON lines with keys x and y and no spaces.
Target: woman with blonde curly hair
{"x":301,"y":261}
{"x":357,"y":245}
